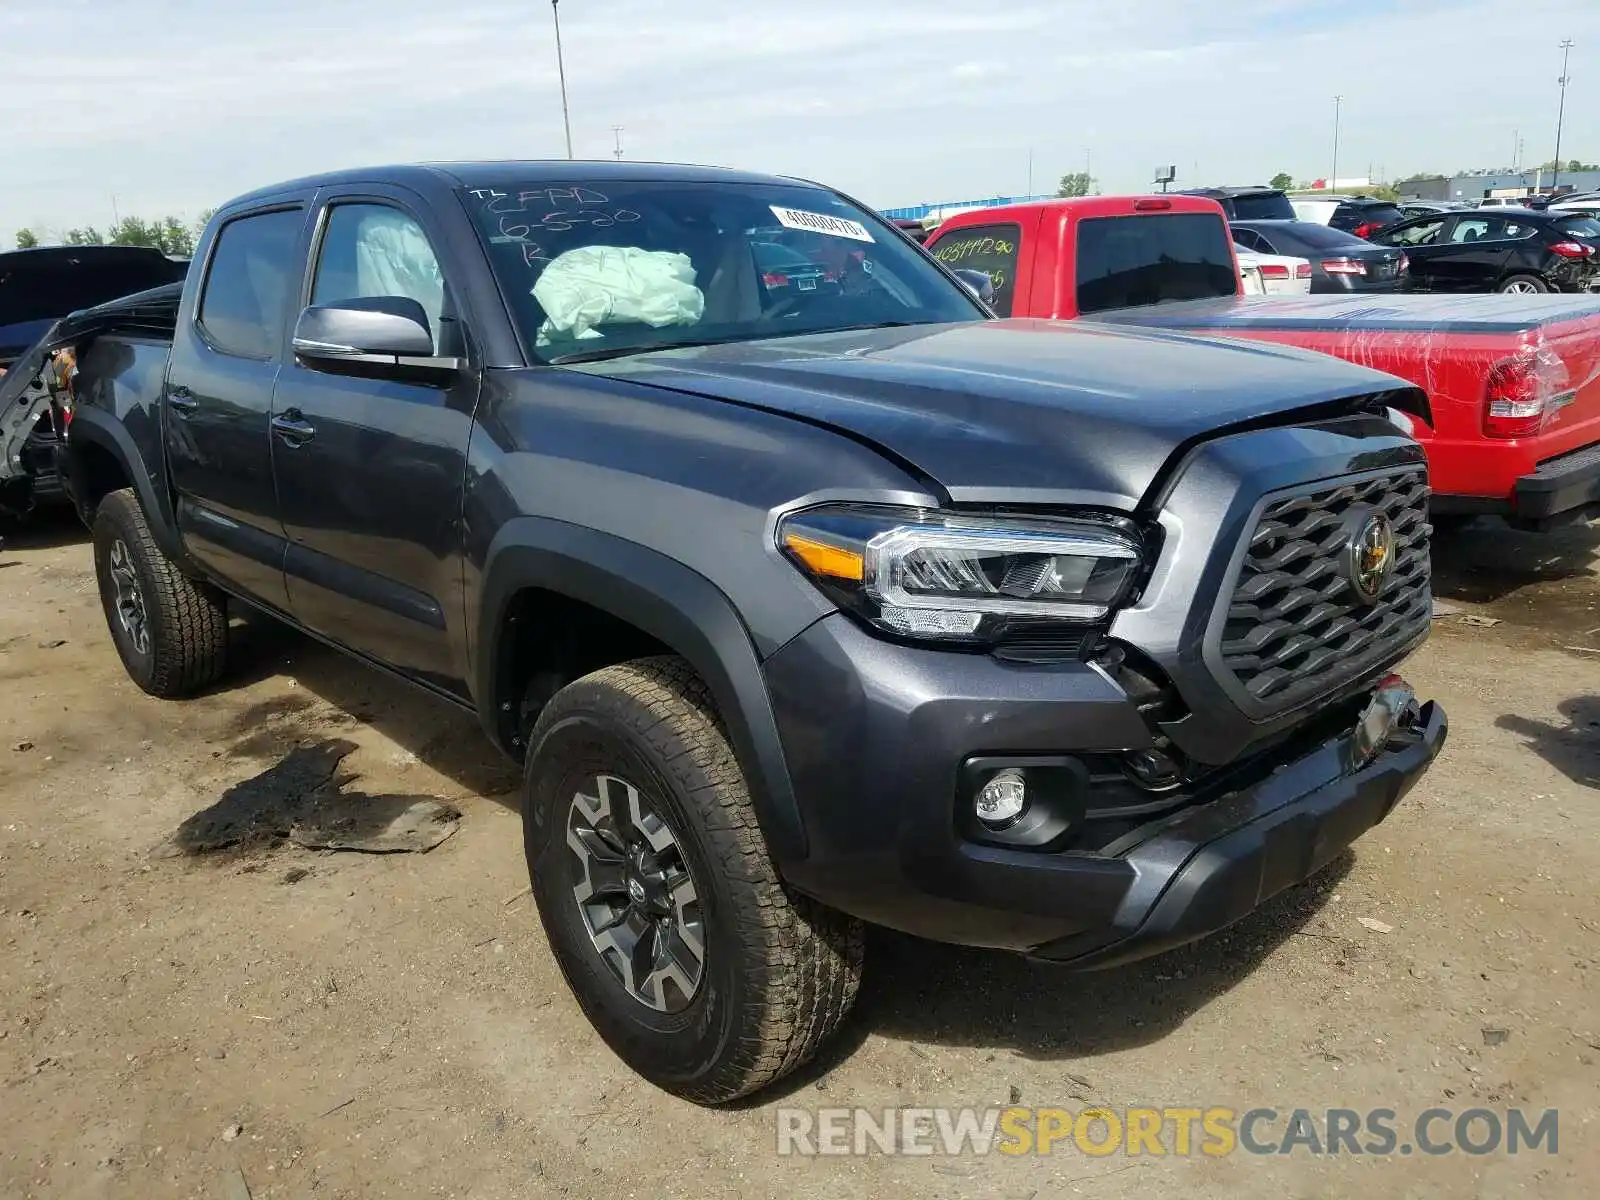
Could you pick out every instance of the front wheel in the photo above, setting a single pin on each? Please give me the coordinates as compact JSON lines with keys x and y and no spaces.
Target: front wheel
{"x":658,"y":895}
{"x":1523,"y":285}
{"x":170,"y":631}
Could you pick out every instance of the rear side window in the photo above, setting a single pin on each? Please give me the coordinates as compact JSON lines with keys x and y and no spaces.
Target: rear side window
{"x":1262,"y":206}
{"x":1125,"y":262}
{"x":1580,"y":227}
{"x":991,"y":249}
{"x":253,"y":269}
{"x":1475,"y":229}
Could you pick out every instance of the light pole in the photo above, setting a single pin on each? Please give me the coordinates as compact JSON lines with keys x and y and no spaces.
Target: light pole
{"x":1333,"y":180}
{"x":561,"y":70}
{"x":617,"y":132}
{"x":1561,"y":112}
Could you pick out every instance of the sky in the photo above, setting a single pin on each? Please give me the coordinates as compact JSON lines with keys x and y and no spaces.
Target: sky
{"x":148,"y":108}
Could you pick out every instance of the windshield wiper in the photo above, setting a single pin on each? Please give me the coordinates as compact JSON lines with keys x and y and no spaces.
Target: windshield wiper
{"x":601,"y":353}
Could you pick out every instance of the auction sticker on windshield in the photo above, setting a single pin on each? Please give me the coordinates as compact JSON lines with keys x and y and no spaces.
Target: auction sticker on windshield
{"x":811,"y":222}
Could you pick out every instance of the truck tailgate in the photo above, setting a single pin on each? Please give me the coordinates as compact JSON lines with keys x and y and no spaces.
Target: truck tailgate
{"x":1447,"y":345}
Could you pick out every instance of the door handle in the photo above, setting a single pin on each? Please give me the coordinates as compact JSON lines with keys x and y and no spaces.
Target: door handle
{"x":182,"y":399}
{"x":292,"y":428}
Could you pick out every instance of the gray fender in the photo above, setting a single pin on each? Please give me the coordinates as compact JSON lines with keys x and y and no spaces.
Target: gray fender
{"x":673,"y":604}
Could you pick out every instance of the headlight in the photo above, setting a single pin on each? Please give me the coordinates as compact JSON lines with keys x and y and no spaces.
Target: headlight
{"x":929,"y":574}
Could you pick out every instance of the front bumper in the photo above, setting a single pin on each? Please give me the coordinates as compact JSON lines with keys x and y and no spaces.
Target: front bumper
{"x":875,"y":736}
{"x":1559,"y":486}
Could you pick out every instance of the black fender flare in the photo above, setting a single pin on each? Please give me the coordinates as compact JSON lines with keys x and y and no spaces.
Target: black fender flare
{"x":672,"y":603}
{"x":90,"y":425}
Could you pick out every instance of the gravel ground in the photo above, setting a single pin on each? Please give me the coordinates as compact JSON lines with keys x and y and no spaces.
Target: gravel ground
{"x":305,"y":1023}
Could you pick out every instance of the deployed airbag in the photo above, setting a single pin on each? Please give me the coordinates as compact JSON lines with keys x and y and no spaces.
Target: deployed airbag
{"x":604,"y":285}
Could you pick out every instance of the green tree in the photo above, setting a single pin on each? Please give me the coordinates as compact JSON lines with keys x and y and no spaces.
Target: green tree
{"x":1283,"y":181}
{"x":170,"y":235}
{"x":26,"y":239}
{"x":1077,"y":183}
{"x":87,"y":236}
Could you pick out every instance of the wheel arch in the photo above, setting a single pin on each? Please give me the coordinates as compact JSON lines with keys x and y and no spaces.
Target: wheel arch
{"x":667,"y":602}
{"x":96,"y":442}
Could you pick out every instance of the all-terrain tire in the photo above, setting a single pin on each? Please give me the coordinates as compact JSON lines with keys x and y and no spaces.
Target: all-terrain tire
{"x":185,"y":642}
{"x":780,"y":971}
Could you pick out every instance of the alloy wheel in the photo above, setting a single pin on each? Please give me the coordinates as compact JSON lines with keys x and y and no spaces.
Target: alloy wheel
{"x":637,"y":898}
{"x":129,"y":598}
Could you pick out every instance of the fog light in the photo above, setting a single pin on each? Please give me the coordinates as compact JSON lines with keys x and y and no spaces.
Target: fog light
{"x":1001,"y":800}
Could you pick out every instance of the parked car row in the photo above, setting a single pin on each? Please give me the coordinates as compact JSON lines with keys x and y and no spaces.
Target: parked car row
{"x":1515,"y":250}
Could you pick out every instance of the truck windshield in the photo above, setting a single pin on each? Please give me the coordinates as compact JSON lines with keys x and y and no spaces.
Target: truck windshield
{"x":600,"y":270}
{"x":1125,"y":262}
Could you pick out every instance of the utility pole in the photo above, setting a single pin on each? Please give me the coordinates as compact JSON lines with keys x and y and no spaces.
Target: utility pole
{"x":1333,"y":180}
{"x":561,"y":70}
{"x":616,"y":131}
{"x":1088,"y":170}
{"x":1561,"y":112}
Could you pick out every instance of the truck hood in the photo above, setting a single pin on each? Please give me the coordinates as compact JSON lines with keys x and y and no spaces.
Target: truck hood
{"x":37,"y":287}
{"x":1020,"y":411}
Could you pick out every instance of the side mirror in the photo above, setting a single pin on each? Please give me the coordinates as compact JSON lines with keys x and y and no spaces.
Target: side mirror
{"x":978,"y":283}
{"x":375,"y":335}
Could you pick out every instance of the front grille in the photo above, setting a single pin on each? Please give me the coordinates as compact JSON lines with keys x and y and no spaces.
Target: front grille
{"x":1296,"y":626}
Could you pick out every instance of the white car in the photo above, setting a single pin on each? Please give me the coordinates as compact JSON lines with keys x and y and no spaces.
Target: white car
{"x":1273,"y":274}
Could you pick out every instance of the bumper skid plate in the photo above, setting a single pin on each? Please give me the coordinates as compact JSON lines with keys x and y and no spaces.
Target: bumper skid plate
{"x":1205,"y":868}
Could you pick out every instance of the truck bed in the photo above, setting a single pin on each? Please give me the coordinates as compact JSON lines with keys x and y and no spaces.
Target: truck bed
{"x":1446,"y":344}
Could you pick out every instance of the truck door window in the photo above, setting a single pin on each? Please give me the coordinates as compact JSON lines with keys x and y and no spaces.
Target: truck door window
{"x":371,"y":250}
{"x":991,"y":249}
{"x":1124,"y":262}
{"x":241,"y":308}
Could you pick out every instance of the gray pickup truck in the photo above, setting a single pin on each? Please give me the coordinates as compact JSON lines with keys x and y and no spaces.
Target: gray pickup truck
{"x":809,"y":594}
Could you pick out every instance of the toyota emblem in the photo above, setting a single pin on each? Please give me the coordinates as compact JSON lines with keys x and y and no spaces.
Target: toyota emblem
{"x":1369,"y":554}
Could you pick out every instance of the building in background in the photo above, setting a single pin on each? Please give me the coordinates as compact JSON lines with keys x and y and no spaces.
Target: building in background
{"x":933,"y":213}
{"x":1481,"y":185}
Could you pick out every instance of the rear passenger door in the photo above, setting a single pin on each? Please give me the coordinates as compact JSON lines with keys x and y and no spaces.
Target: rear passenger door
{"x":218,"y":401}
{"x":370,"y":471}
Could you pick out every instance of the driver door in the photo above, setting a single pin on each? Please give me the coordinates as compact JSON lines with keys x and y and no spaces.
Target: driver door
{"x":370,"y":471}
{"x":1420,"y":240}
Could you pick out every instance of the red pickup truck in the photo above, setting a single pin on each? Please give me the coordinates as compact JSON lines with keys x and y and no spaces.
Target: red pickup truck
{"x":1513,"y":381}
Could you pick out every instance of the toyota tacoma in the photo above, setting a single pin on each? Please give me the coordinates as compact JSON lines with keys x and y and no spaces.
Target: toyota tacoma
{"x":804,"y":606}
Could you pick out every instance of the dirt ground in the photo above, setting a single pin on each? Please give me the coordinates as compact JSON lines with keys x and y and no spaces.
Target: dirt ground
{"x":342,"y":1024}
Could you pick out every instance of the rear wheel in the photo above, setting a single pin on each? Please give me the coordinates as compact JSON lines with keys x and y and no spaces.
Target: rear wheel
{"x":171,"y":632}
{"x":658,"y":895}
{"x":1523,"y":285}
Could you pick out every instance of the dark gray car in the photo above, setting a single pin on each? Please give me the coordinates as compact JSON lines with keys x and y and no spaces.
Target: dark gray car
{"x":801,"y":609}
{"x":1340,"y":261}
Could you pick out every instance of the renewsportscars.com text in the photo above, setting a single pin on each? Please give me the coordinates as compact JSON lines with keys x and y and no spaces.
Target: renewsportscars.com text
{"x":1214,"y":1132}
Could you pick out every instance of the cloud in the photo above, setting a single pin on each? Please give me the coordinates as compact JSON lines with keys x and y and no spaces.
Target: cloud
{"x":176,"y":106}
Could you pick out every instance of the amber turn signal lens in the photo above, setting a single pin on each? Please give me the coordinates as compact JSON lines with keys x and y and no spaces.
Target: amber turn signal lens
{"x":824,"y":559}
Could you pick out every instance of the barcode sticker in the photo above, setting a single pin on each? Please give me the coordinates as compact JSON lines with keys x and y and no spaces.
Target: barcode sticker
{"x":811,"y":222}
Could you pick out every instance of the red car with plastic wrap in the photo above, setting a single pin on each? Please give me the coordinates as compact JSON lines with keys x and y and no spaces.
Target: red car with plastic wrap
{"x":1513,"y":381}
